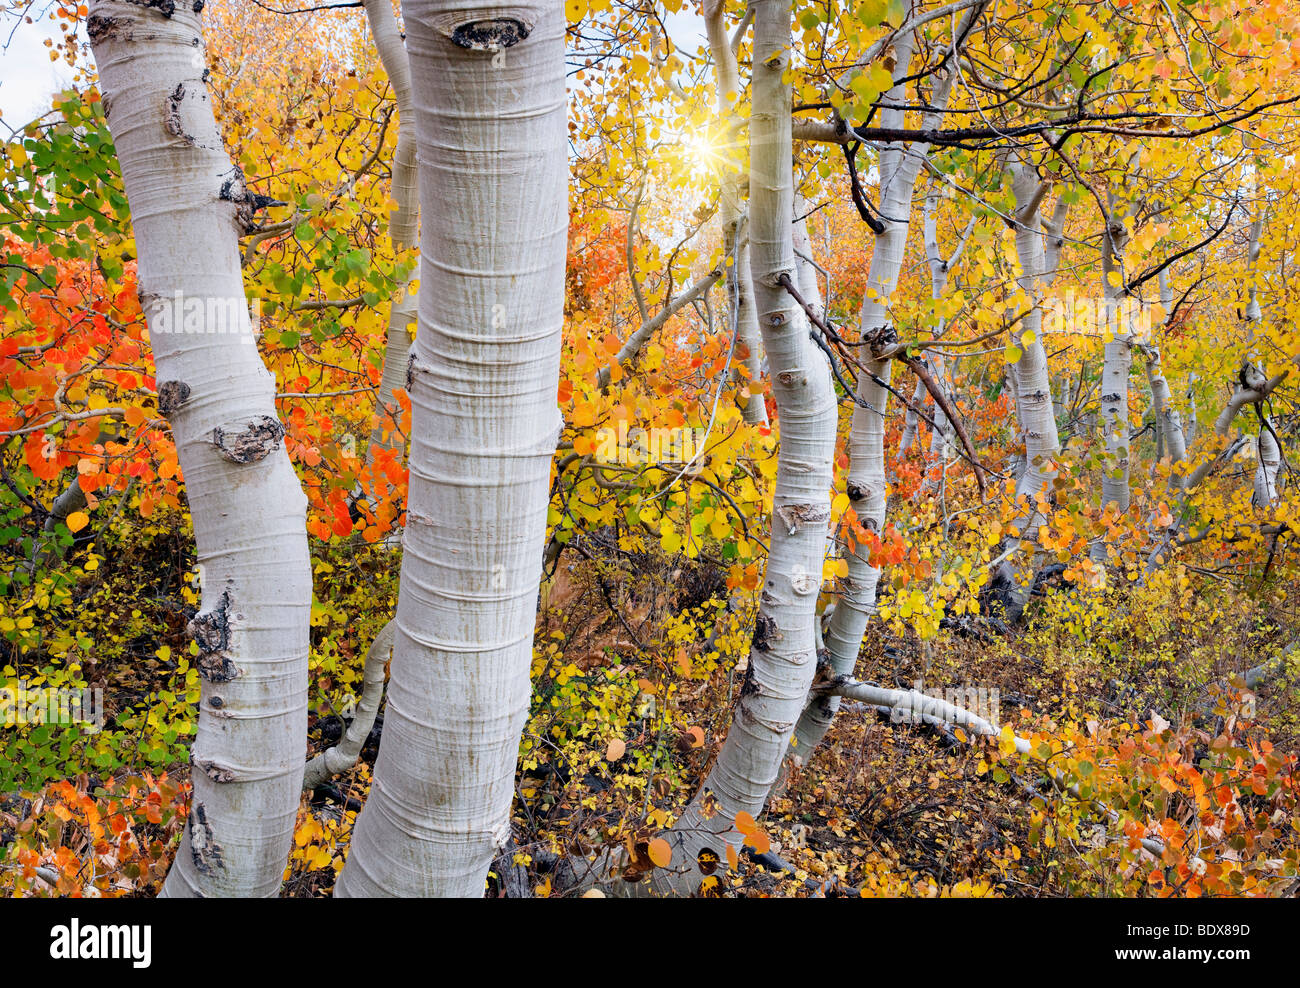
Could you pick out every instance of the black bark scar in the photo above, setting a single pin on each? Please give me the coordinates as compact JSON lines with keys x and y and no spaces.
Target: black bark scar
{"x":211,"y":632}
{"x":254,"y":442}
{"x":765,"y":633}
{"x":490,"y":35}
{"x":205,"y":852}
{"x":171,"y":396}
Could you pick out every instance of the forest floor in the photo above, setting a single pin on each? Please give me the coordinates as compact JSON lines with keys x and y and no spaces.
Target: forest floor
{"x":637,"y":660}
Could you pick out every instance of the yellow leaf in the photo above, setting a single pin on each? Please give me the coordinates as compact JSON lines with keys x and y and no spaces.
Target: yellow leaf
{"x":77,"y":521}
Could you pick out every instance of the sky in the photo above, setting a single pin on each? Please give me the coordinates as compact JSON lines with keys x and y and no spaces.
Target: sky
{"x":27,"y":76}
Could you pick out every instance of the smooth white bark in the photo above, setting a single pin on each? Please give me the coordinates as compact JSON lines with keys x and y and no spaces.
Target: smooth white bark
{"x":731,"y":211}
{"x":189,"y":204}
{"x":1266,"y":493}
{"x":1168,"y":420}
{"x":344,"y":755}
{"x":490,"y":115}
{"x":866,"y":484}
{"x":912,"y":421}
{"x":1117,"y":365}
{"x":1268,"y":455}
{"x":809,"y":284}
{"x":942,"y":437}
{"x":782,"y":659}
{"x":403,"y":227}
{"x":1033,"y":387}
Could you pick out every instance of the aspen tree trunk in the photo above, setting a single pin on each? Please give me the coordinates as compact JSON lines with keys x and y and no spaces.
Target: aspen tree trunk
{"x":912,"y":421}
{"x":1117,"y":364}
{"x":731,"y":214}
{"x":900,"y":165}
{"x":490,"y":115}
{"x":804,"y":258}
{"x":403,"y":225}
{"x":938,"y":266}
{"x":1170,"y":422}
{"x":1033,"y":388}
{"x":1268,"y":456}
{"x":189,"y":205}
{"x":866,"y":485}
{"x":1017,"y":462}
{"x":1266,"y":493}
{"x":1172,"y":435}
{"x":1054,"y":232}
{"x":1253,"y":311}
{"x":1051,"y":262}
{"x":941,"y":438}
{"x":782,"y":659}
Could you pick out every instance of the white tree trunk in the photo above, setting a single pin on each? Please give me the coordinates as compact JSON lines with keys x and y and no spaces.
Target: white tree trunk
{"x":1117,"y":364}
{"x":1016,"y":463}
{"x":1033,"y":388}
{"x":1169,"y":421}
{"x":1266,"y":470}
{"x":1172,"y":435}
{"x":941,"y":438}
{"x":338,"y":759}
{"x":804,"y":258}
{"x":866,"y":486}
{"x":403,"y":225}
{"x":189,"y":205}
{"x":912,"y":421}
{"x":1253,"y":311}
{"x":731,"y":213}
{"x":782,"y":659}
{"x":1268,"y":454}
{"x":1054,"y":232}
{"x":490,"y":126}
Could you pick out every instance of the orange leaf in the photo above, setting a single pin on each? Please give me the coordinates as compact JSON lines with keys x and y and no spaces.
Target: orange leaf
{"x":661,"y":852}
{"x":683,"y":662}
